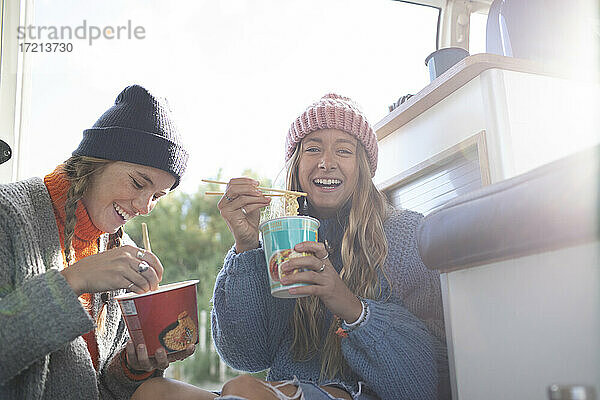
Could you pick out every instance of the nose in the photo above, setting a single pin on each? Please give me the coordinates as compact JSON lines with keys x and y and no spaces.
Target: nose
{"x":327,"y":161}
{"x":143,"y":204}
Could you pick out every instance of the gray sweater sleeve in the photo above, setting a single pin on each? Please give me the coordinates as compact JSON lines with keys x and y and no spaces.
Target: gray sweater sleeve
{"x":42,"y":314}
{"x":37,"y":318}
{"x":247,"y":322}
{"x":39,"y":312}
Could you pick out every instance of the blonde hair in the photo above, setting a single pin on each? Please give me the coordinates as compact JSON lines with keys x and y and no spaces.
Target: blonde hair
{"x":79,"y":171}
{"x":363,"y":250}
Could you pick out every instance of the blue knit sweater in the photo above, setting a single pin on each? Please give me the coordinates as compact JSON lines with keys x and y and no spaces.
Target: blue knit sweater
{"x":399,"y":352}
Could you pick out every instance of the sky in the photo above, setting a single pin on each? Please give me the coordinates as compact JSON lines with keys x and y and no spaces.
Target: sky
{"x":236,"y":72}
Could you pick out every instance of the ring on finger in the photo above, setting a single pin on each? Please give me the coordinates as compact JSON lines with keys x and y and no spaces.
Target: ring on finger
{"x":143,"y":267}
{"x":130,"y":285}
{"x":227,"y":197}
{"x":325,"y":258}
{"x":244,"y":211}
{"x":140,"y":254}
{"x":322,"y":268}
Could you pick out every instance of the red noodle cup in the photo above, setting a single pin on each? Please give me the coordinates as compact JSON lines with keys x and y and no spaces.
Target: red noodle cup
{"x":166,"y":317}
{"x":280,"y":235}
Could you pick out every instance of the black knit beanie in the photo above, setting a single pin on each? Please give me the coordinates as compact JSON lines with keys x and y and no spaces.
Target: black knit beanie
{"x":138,"y":129}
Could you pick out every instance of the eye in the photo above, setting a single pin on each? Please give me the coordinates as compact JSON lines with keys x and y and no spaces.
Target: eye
{"x":312,"y":149}
{"x":345,"y":151}
{"x":135,"y":183}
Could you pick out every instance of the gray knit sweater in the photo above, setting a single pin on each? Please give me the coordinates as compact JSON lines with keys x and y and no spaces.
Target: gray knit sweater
{"x":399,"y":352}
{"x":43,"y":355}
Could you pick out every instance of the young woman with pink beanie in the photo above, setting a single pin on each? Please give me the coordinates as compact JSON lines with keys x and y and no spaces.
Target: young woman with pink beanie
{"x":372,"y":325}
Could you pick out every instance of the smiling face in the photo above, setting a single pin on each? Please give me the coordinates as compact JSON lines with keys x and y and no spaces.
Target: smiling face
{"x":328,"y":169}
{"x":121,"y":191}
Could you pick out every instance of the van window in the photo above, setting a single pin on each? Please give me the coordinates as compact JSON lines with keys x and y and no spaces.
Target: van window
{"x":236,"y":72}
{"x":477,"y":31}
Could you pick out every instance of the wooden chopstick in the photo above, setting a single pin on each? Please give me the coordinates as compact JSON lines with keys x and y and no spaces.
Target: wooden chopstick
{"x":261,"y":188}
{"x":145,"y":237}
{"x":221,"y":194}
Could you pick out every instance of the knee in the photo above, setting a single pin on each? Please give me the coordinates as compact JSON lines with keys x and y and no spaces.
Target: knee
{"x":240,"y":385}
{"x":150,"y":389}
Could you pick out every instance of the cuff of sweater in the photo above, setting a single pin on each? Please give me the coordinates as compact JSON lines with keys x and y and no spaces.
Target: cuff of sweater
{"x":376,"y":325}
{"x":248,"y":261}
{"x":131,"y":373}
{"x":116,"y":380}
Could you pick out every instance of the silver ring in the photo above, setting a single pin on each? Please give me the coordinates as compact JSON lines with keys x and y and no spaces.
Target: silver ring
{"x":326,"y":257}
{"x":130,"y":285}
{"x":244,"y":211}
{"x":143,"y":267}
{"x":322,"y":268}
{"x":140,"y":254}
{"x":227,"y":197}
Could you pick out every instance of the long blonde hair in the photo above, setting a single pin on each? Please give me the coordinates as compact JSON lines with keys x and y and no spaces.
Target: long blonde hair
{"x":79,"y":171}
{"x":363,"y":250}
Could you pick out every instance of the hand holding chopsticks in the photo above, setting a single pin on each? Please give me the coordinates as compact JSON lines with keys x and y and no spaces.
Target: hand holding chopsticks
{"x":240,"y":207}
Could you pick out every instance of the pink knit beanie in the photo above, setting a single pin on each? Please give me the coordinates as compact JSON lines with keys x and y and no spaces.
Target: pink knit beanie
{"x":333,"y":111}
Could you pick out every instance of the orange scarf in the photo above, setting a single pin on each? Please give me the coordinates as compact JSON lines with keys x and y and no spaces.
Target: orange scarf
{"x":84,"y":242}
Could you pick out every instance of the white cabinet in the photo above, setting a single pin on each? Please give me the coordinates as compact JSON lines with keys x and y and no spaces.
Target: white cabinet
{"x":529,"y":115}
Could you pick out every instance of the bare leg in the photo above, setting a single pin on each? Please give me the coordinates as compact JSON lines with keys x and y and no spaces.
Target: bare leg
{"x":335,"y":392}
{"x":254,"y":389}
{"x":165,"y":389}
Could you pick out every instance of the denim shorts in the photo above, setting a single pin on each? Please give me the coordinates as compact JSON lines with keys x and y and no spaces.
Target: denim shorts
{"x":306,"y":391}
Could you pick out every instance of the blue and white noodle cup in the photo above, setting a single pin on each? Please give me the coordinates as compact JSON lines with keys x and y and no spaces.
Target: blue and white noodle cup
{"x":279,"y":236}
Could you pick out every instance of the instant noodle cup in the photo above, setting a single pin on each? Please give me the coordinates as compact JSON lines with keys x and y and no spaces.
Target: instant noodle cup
{"x":279,"y":236}
{"x":166,"y":317}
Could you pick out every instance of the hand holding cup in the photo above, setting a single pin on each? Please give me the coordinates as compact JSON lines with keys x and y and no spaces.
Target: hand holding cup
{"x":138,"y":359}
{"x":324,"y":281}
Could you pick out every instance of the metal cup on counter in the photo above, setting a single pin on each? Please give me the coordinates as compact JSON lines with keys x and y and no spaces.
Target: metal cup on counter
{"x":442,"y":60}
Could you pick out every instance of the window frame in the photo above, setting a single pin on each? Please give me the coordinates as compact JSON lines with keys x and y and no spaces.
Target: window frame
{"x":477,"y":140}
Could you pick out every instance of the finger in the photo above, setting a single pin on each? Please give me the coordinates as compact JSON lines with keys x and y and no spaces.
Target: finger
{"x":238,"y":187}
{"x":130,"y":286}
{"x":244,"y":180}
{"x":161,"y":358}
{"x":251,"y":207}
{"x":151,"y":278}
{"x":155,"y":263}
{"x":130,"y":265}
{"x":245,"y":201}
{"x":191,"y":349}
{"x":310,"y":290}
{"x":302,"y":263}
{"x":131,"y":356}
{"x":317,"y":248}
{"x":142,"y":357}
{"x":132,"y":274}
{"x":140,"y":253}
{"x":181,"y":355}
{"x":311,"y":277}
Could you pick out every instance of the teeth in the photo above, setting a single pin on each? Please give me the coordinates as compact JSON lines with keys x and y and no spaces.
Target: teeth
{"x":122,"y":212}
{"x":328,"y":181}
